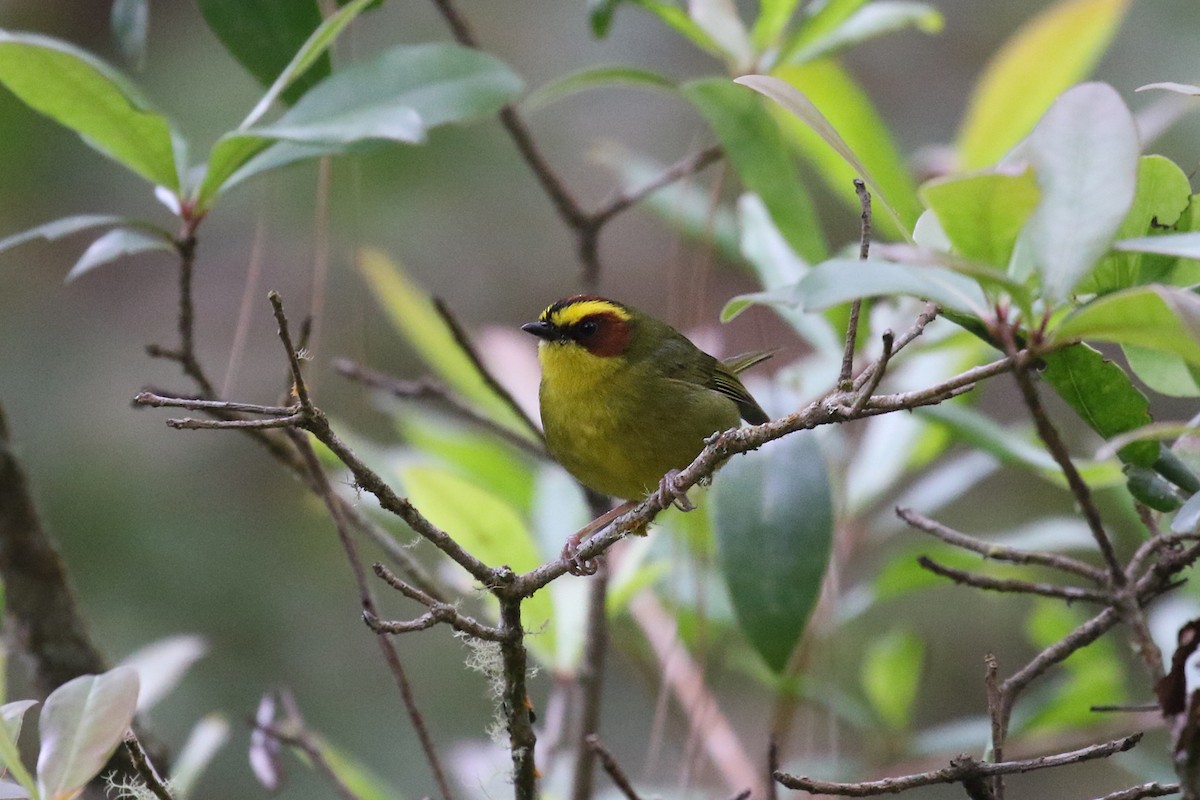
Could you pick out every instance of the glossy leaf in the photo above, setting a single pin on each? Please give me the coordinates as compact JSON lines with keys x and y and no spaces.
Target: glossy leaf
{"x":59,"y":228}
{"x":82,"y":722}
{"x":850,"y":112}
{"x":772,"y":21}
{"x":891,"y":671}
{"x":596,"y":78}
{"x":1051,"y":52}
{"x":870,"y":22}
{"x":1103,"y":396}
{"x":803,"y":109}
{"x":395,"y":96}
{"x":161,"y":666}
{"x":130,"y":23}
{"x":264,"y":35}
{"x":753,"y":145}
{"x":414,"y":316}
{"x":1163,"y":372}
{"x":1163,"y":194}
{"x":841,"y":280}
{"x":983,"y":213}
{"x":491,"y":530}
{"x":773,"y":516}
{"x":311,"y":52}
{"x":118,"y":243}
{"x":81,"y":92}
{"x":1157,"y":318}
{"x":1085,"y":154}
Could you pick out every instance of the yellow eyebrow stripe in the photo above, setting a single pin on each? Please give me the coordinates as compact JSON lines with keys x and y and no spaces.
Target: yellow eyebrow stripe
{"x":568,"y":315}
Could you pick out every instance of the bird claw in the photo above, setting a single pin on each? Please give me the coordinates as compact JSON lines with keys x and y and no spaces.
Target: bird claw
{"x":579,"y":567}
{"x":669,"y":492}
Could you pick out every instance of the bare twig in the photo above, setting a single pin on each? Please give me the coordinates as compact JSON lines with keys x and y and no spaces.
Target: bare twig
{"x":1145,"y":790}
{"x":521,"y":738}
{"x":868,"y":389}
{"x":999,"y":552}
{"x":428,"y":391}
{"x":154,"y":400}
{"x":193,"y":424}
{"x":185,"y":356}
{"x":1068,"y":593}
{"x":864,"y":248}
{"x":619,"y":778}
{"x":961,"y":769}
{"x":591,"y":681}
{"x":438,"y":612}
{"x":141,"y":762}
{"x":297,"y":736}
{"x":623,"y":199}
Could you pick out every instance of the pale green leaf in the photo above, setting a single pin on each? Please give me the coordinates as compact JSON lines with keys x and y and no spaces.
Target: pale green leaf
{"x":414,"y":315}
{"x":796,"y":103}
{"x":1157,"y":318}
{"x":1163,"y":372}
{"x":601,"y":14}
{"x":313,"y":49}
{"x":850,"y":112}
{"x":773,"y":516}
{"x":1051,"y":52}
{"x":982,"y":214}
{"x":618,"y":75}
{"x":870,"y":22}
{"x":891,"y":672}
{"x":819,"y":20}
{"x":720,"y":22}
{"x":208,"y":736}
{"x":1181,"y":245}
{"x":752,"y":143}
{"x":359,"y":779}
{"x":59,"y":228}
{"x":161,"y":666}
{"x":116,"y":244}
{"x":1085,"y":155}
{"x":841,"y":280}
{"x":81,"y":92}
{"x":82,"y":722}
{"x":1171,"y":86}
{"x":772,"y":21}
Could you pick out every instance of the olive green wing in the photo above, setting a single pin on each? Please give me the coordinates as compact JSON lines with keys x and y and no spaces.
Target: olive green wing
{"x":724,"y":380}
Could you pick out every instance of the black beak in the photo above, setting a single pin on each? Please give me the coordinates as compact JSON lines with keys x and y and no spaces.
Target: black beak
{"x":542,"y":330}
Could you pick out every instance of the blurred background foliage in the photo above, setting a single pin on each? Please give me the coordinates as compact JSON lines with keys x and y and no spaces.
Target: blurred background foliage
{"x":169,"y":532}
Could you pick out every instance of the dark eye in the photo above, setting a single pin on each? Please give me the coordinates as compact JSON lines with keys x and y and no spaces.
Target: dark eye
{"x":587,"y":327}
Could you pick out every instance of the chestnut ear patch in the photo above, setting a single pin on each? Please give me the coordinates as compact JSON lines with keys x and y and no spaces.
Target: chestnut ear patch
{"x":604,"y":334}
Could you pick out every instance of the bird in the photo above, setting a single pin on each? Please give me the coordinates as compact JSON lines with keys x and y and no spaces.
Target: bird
{"x":627,"y":401}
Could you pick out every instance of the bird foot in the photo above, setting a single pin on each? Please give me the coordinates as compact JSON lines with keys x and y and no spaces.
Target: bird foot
{"x":669,"y":492}
{"x":580,"y":567}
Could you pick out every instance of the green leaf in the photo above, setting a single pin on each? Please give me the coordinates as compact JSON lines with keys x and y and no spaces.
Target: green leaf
{"x":594,"y":78}
{"x":1163,"y":194}
{"x":491,"y":530}
{"x":772,"y":21}
{"x":721,"y":24}
{"x":796,"y":103}
{"x":264,"y":35}
{"x":1187,"y":519}
{"x":1103,"y":396}
{"x":982,"y":213}
{"x":773,"y":516}
{"x":819,"y":20}
{"x":207,"y":737}
{"x":82,"y":723}
{"x":1051,"y":52}
{"x":59,"y":228}
{"x":752,"y":143}
{"x":309,"y":54}
{"x":1158,"y":318}
{"x":81,"y":92}
{"x":601,"y":14}
{"x":1181,"y":245}
{"x":850,"y":112}
{"x":1085,"y":154}
{"x":161,"y":665}
{"x":414,"y":316}
{"x":891,"y":672}
{"x":869,"y":22}
{"x":1164,"y":373}
{"x":841,"y":280}
{"x":395,"y":96}
{"x":10,"y":756}
{"x":118,"y":243}
{"x":130,"y":23}
{"x":359,"y":779}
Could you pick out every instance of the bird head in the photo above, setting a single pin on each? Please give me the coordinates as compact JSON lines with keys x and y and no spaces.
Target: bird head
{"x":602,"y":327}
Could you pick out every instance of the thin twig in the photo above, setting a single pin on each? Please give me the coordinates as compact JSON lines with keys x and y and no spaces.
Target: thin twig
{"x":772,"y":768}
{"x":619,"y":778}
{"x":1000,"y":552}
{"x":302,"y":740}
{"x":438,"y":612}
{"x":521,"y":738}
{"x":1058,"y":450}
{"x":864,"y":248}
{"x":591,"y":680}
{"x":145,"y":769}
{"x":877,"y":374}
{"x":154,"y":400}
{"x":623,"y":199}
{"x":1145,"y":790}
{"x":961,"y":768}
{"x":193,"y":424}
{"x":1068,"y":593}
{"x":426,"y":390}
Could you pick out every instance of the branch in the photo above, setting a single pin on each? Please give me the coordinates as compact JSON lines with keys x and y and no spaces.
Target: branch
{"x":999,"y":552}
{"x":962,"y":769}
{"x":521,"y":738}
{"x":864,"y":247}
{"x":611,"y":767}
{"x":1145,"y":790}
{"x":185,"y":356}
{"x":141,"y":762}
{"x":591,"y":681}
{"x":438,"y":612}
{"x":1068,"y":593}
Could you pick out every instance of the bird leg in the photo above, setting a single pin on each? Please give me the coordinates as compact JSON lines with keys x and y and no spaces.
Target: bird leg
{"x":570,"y":551}
{"x":669,"y":492}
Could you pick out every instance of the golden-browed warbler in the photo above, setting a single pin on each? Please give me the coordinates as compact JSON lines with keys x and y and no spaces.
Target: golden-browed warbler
{"x":626,"y":399}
